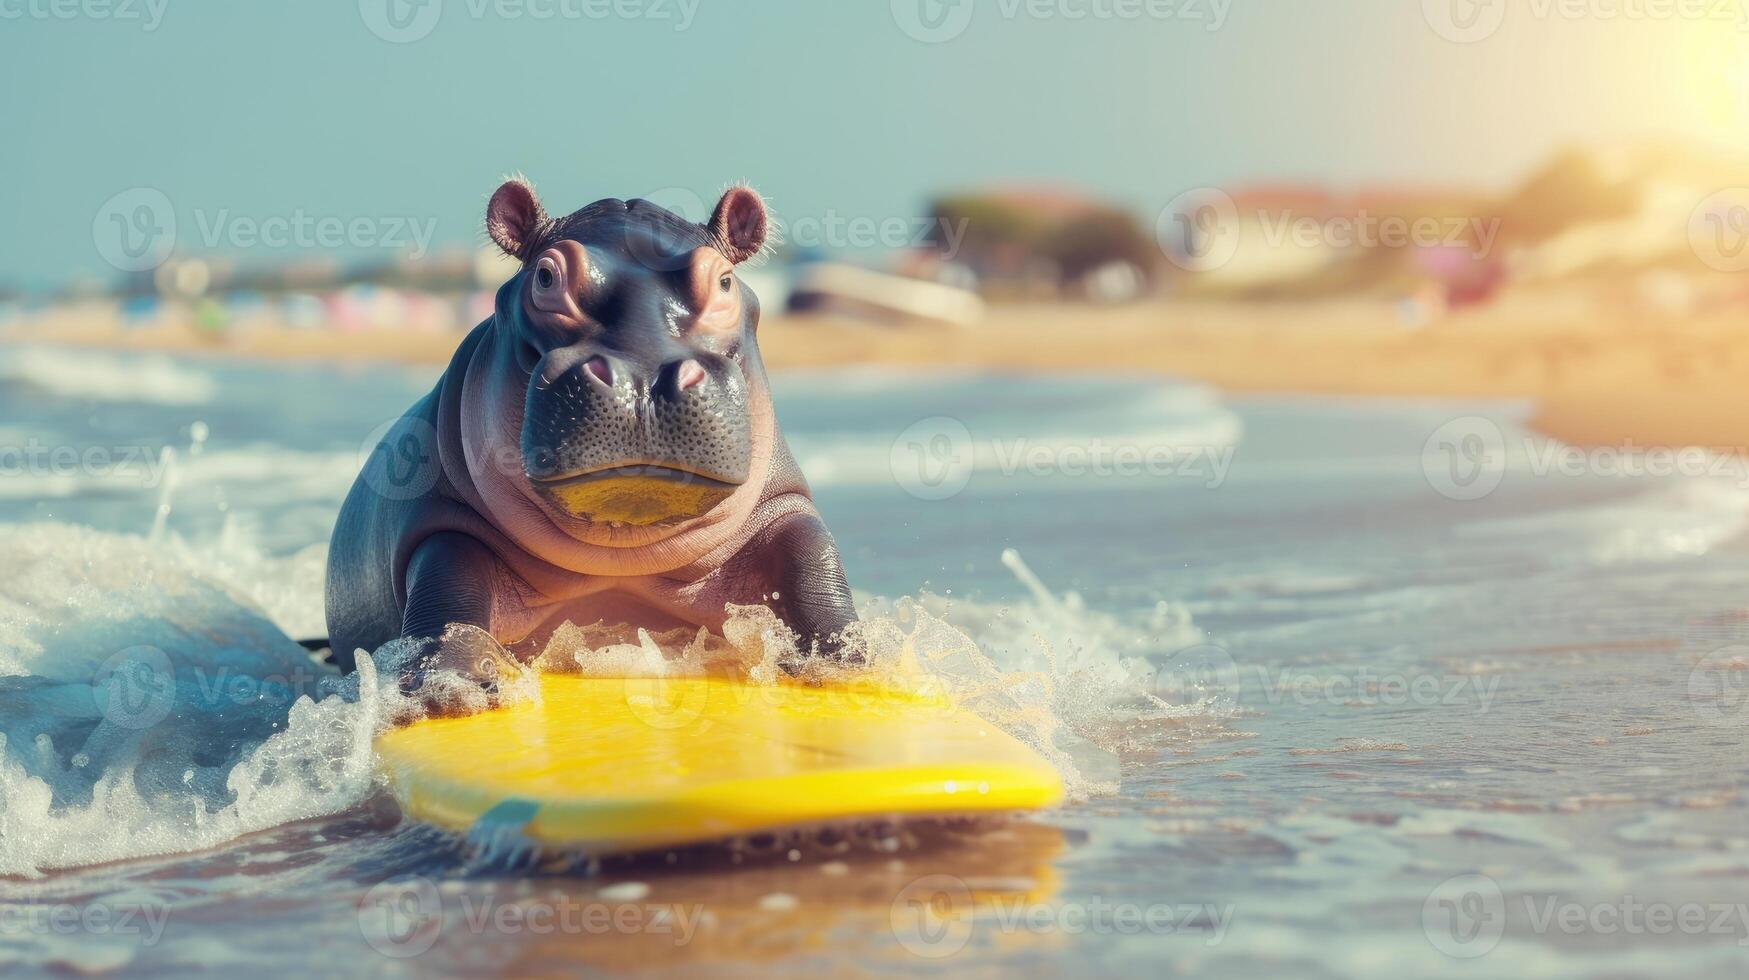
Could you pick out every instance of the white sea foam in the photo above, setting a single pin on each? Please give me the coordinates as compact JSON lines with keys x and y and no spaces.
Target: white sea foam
{"x":1666,"y":521}
{"x":96,"y":376}
{"x":1074,"y":683}
{"x":151,"y":701}
{"x":147,"y":709}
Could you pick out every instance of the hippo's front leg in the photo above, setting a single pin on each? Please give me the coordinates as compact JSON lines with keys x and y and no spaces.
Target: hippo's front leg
{"x":796,"y":562}
{"x":450,"y":582}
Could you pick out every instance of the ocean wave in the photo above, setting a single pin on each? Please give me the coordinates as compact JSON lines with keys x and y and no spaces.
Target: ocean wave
{"x":95,"y":376}
{"x":151,"y":701}
{"x":146,"y":708}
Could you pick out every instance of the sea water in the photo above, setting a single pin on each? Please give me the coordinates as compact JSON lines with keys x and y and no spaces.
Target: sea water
{"x":1342,"y":688}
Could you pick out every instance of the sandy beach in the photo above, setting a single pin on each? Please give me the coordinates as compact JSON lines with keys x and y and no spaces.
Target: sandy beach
{"x":1597,"y":376}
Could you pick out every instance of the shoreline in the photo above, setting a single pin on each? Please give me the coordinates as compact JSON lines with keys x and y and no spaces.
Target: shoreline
{"x":1596,"y":376}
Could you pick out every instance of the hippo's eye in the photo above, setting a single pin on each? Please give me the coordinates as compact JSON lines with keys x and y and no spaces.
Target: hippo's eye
{"x":543,"y":277}
{"x":723,"y":283}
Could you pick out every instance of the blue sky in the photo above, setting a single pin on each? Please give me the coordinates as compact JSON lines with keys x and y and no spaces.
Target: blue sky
{"x":255,"y":110}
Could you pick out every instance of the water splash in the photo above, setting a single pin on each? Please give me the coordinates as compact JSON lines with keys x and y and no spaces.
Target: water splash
{"x":151,"y":701}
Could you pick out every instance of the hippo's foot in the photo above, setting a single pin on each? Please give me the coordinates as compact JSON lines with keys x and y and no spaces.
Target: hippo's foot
{"x":827,"y":651}
{"x":462,"y":672}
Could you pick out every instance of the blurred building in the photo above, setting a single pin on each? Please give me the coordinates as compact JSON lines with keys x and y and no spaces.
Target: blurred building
{"x":1038,"y":242}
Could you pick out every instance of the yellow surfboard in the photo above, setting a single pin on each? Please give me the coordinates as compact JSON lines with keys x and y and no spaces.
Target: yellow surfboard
{"x":617,"y":765}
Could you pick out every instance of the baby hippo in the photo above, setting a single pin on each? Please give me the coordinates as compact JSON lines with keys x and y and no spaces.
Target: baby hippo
{"x":602,"y":448}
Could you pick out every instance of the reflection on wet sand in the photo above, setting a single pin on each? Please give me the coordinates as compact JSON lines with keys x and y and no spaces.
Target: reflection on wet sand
{"x":897,"y":894}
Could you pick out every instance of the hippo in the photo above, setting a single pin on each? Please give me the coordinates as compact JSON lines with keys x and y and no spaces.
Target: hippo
{"x":602,"y":448}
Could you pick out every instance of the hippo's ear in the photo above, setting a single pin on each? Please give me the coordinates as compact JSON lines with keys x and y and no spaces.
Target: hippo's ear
{"x":515,"y":219}
{"x":739,"y":224}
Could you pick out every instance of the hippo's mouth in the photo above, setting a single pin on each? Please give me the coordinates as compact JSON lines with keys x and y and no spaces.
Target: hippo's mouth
{"x":636,"y":493}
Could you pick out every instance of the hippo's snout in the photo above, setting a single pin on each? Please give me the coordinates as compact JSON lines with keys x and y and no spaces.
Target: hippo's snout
{"x":612,"y":442}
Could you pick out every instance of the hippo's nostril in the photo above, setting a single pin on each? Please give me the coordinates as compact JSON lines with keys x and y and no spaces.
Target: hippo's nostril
{"x":599,"y":367}
{"x":690,"y":375}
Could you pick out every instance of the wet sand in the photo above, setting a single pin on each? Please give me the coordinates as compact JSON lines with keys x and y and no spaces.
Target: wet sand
{"x":1599,"y":371}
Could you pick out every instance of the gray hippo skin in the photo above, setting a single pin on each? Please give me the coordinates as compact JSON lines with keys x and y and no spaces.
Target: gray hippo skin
{"x":603,"y":448}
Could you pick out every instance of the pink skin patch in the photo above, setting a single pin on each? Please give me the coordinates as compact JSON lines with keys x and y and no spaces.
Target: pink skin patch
{"x":598,"y":366}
